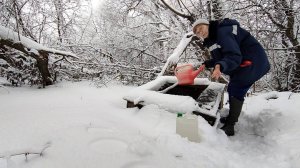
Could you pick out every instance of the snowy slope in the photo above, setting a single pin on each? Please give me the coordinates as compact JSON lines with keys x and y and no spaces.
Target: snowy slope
{"x":90,"y":127}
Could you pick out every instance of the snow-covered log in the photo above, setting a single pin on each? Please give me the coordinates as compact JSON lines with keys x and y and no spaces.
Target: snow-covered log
{"x":9,"y":38}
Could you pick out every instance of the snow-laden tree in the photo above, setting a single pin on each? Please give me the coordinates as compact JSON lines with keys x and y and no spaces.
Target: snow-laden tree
{"x":50,"y":23}
{"x":130,"y":40}
{"x":285,"y":17}
{"x":274,"y":23}
{"x":139,"y":34}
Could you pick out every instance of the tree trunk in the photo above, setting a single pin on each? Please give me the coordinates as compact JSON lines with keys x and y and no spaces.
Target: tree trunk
{"x":42,"y":59}
{"x":42,"y":64}
{"x":296,"y":81}
{"x":60,"y":20}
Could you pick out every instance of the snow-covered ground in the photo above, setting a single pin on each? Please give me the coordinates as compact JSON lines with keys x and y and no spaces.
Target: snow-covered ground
{"x":81,"y":126}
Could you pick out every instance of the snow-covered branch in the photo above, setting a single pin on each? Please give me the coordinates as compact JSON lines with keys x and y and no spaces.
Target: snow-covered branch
{"x":174,"y":58}
{"x":10,"y":38}
{"x":265,"y":11}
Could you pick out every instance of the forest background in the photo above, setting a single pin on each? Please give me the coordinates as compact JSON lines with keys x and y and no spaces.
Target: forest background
{"x":130,"y":40}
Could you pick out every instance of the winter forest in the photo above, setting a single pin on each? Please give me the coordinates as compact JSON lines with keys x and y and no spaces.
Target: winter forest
{"x":93,"y":83}
{"x":130,"y":40}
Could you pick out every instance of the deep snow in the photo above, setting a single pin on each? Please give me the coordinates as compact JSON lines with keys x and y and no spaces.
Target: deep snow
{"x":86,"y":126}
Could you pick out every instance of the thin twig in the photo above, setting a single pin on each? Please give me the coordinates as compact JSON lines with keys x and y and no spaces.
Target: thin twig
{"x":47,"y":145}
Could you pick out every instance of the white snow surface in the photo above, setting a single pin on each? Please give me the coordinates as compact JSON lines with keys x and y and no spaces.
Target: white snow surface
{"x":172,"y":103}
{"x":147,"y":94}
{"x":85,"y":126}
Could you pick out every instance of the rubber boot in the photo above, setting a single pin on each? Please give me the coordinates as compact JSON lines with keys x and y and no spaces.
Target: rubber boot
{"x":235,"y":108}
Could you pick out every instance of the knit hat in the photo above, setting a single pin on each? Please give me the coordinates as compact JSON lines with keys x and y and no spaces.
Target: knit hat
{"x":198,"y":22}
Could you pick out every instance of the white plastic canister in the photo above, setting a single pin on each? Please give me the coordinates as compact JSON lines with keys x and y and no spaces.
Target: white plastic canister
{"x":187,"y":126}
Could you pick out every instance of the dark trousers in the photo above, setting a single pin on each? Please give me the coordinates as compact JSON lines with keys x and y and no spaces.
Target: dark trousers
{"x":238,"y":90}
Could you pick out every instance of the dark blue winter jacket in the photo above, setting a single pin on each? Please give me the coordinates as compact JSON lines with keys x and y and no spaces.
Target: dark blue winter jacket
{"x":230,"y":45}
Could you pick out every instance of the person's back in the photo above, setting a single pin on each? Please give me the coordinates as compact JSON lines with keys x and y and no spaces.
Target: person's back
{"x":235,"y":46}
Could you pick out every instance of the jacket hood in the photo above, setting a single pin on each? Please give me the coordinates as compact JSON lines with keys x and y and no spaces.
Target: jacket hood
{"x":229,"y":22}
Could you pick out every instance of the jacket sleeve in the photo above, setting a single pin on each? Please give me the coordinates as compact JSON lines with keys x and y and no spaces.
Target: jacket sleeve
{"x":210,"y":63}
{"x":230,"y":50}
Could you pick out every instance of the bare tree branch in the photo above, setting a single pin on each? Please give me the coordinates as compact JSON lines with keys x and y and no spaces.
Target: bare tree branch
{"x":191,"y":17}
{"x":269,"y":15}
